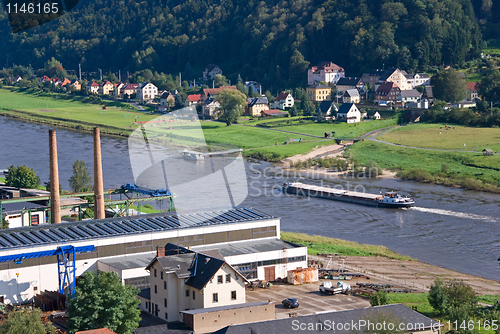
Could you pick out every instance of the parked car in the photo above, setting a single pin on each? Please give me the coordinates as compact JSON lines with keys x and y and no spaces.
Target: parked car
{"x":290,"y":303}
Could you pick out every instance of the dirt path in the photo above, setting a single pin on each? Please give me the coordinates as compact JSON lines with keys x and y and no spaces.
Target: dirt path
{"x":412,"y":274}
{"x":316,"y":152}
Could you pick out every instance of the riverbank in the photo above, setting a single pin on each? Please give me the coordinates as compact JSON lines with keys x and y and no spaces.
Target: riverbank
{"x":382,"y":264}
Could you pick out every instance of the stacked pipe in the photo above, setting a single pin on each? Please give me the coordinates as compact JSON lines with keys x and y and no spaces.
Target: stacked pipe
{"x":55,"y":202}
{"x":98,"y":183}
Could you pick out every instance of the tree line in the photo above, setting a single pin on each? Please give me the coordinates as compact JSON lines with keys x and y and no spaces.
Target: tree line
{"x":272,"y":42}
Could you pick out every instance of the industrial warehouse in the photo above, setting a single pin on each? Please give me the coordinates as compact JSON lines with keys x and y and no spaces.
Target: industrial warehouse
{"x":29,"y":264}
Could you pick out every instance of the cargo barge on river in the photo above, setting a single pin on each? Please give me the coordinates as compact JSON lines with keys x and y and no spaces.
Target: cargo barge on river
{"x":388,"y":200}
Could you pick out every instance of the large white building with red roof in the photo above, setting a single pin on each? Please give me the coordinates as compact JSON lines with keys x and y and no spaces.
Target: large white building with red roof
{"x":326,"y":71}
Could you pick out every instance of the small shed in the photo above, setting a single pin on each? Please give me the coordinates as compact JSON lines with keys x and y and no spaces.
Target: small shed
{"x":302,"y":275}
{"x":488,"y":151}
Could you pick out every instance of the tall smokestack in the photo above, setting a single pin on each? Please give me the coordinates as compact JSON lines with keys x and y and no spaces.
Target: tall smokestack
{"x":98,"y":187}
{"x":55,"y":203}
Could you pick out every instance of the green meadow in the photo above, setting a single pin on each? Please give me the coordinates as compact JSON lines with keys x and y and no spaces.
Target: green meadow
{"x":437,"y":136}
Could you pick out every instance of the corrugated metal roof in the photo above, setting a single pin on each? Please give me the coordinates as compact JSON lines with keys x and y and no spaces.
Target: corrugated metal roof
{"x":95,"y":229}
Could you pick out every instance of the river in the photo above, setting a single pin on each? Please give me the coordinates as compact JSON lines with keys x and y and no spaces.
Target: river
{"x":448,"y":227}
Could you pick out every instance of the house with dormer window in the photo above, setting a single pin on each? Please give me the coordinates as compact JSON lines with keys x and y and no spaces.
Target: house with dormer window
{"x":182,"y":280}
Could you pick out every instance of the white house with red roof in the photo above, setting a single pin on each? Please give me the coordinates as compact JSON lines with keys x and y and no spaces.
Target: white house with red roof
{"x":283,"y":100}
{"x":326,"y":71}
{"x":193,"y":99}
{"x":44,"y":78}
{"x":93,"y":87}
{"x":213,"y":92}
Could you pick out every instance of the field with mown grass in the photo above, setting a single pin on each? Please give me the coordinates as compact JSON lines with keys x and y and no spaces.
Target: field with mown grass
{"x":465,"y":169}
{"x":436,"y":136}
{"x":318,"y":244}
{"x":38,"y":106}
{"x":342,"y":130}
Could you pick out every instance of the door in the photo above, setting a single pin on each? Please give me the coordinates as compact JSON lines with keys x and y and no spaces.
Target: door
{"x":269,"y":274}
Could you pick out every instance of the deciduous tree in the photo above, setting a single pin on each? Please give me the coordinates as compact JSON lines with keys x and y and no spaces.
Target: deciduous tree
{"x":22,"y":177}
{"x":26,"y":321}
{"x":448,"y":86}
{"x":101,"y":300}
{"x":232,"y":105}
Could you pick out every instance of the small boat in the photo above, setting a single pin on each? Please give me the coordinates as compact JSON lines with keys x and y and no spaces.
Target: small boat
{"x":394,"y":200}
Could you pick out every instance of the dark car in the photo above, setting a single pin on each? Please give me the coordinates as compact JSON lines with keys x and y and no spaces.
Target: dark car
{"x":290,"y":303}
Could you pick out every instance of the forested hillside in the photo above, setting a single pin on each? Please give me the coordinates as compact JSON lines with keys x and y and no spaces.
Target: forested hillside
{"x":270,"y":40}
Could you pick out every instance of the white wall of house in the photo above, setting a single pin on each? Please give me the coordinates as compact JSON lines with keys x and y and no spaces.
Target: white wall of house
{"x":19,"y":219}
{"x":224,"y":289}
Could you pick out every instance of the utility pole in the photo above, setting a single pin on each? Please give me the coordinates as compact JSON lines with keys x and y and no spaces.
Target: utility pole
{"x":119,"y":76}
{"x":80,"y":71}
{"x":100,"y":74}
{"x":180,"y":79}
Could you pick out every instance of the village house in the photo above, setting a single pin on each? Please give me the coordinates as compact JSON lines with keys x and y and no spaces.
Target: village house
{"x":43,"y":79}
{"x":396,"y":76}
{"x":76,"y":84}
{"x":106,"y":87}
{"x":326,"y":71}
{"x":64,"y":83}
{"x":349,"y":83}
{"x":472,"y":91}
{"x":213,"y":92}
{"x":115,"y":92}
{"x":418,"y":79}
{"x":428,"y":95}
{"x":255,"y":105}
{"x":210,"y":107}
{"x":387,"y":92}
{"x":406,"y":96}
{"x":192,"y":99}
{"x":318,"y":92}
{"x":349,"y":112}
{"x":16,"y":214}
{"x":93,"y":87}
{"x":146,"y":91}
{"x":128,"y":90}
{"x":372,"y":114}
{"x":167,"y":99}
{"x":328,"y":109}
{"x":211,"y":71}
{"x":284,"y":100}
{"x":254,"y":86}
{"x":182,"y":280}
{"x":351,"y":96}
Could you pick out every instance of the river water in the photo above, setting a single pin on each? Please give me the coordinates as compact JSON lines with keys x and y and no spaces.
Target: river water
{"x":448,"y":227}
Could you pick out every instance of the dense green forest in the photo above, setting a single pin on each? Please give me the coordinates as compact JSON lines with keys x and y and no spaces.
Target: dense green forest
{"x":270,"y":41}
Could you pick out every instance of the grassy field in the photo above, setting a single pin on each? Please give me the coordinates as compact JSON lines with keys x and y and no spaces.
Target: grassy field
{"x":68,"y":110}
{"x":318,"y":244}
{"x":466,"y":169}
{"x":418,"y":300}
{"x":342,"y":130}
{"x":436,"y":136}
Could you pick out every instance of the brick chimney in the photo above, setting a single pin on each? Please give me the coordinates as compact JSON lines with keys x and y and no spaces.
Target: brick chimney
{"x":55,"y":202}
{"x":160,"y":251}
{"x":98,"y":183}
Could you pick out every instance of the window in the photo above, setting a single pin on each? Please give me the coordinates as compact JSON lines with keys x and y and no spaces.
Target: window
{"x":166,"y":315}
{"x":165,"y":301}
{"x":233,"y":295}
{"x":155,"y":272}
{"x":219,"y":279}
{"x":187,"y":293}
{"x":35,"y":220}
{"x":228,"y":278}
{"x":215,"y":298}
{"x":165,"y":285}
{"x":156,"y":289}
{"x":161,"y":275}
{"x":194,"y":295}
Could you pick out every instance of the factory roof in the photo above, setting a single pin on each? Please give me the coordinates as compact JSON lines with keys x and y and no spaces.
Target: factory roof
{"x":96,"y":229}
{"x":129,"y":261}
{"x":223,"y":308}
{"x":247,"y":247}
